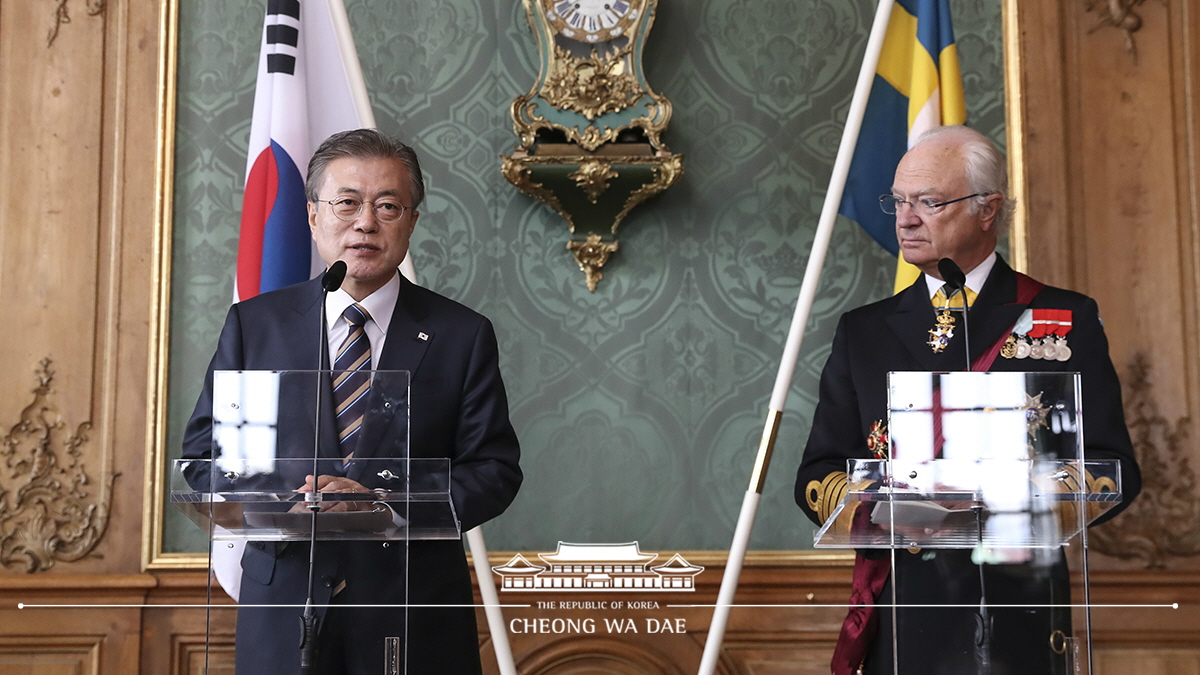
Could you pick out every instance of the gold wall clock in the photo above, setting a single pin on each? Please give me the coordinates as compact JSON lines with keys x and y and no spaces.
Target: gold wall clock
{"x":589,"y":131}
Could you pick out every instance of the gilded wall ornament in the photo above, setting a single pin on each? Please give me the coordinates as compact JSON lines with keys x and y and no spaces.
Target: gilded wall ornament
{"x":49,"y":511}
{"x":592,"y":177}
{"x":666,"y":170}
{"x":520,"y":175}
{"x":1164,"y":521}
{"x":590,"y":129}
{"x":591,"y":86}
{"x":591,"y":256}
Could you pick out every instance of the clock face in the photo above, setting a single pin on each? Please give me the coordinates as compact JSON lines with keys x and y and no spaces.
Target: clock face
{"x":592,"y":20}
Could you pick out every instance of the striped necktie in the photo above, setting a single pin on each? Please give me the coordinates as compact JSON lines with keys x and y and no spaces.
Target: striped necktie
{"x":939,"y":299}
{"x":350,"y":387}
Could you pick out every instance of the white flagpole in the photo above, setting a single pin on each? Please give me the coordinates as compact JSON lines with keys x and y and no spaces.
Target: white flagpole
{"x":483,"y":571}
{"x":791,"y":351}
{"x":491,"y":602}
{"x":358,"y":88}
{"x":354,"y":74}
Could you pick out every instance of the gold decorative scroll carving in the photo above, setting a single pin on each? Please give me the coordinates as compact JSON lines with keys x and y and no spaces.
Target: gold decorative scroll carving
{"x":49,"y":511}
{"x":667,"y":170}
{"x":591,"y":256}
{"x":518,"y":173}
{"x":592,"y":177}
{"x":1164,"y":521}
{"x":1118,"y":14}
{"x":527,"y":123}
{"x":591,"y":86}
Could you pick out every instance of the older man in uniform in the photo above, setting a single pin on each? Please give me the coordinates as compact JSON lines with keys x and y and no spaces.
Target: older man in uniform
{"x":950,"y":201}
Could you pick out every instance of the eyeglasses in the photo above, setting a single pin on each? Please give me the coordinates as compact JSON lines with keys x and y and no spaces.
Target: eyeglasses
{"x":347,"y":208}
{"x":924,"y":207}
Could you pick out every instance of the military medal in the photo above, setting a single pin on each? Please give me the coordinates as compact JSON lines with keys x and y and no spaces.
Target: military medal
{"x":1036,"y":350}
{"x":1062,"y":352}
{"x":877,"y":440}
{"x":939,"y":335}
{"x":1009,"y":350}
{"x":1041,"y":334}
{"x":1022,"y":351}
{"x":1048,"y":352}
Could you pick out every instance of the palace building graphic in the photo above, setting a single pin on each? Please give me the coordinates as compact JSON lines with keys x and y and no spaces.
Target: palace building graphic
{"x":597,"y":567}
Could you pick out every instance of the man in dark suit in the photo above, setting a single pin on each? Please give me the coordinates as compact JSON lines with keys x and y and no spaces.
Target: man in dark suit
{"x":363,"y":190}
{"x":949,"y":198}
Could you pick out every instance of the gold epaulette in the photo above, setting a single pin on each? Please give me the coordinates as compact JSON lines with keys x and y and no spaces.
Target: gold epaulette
{"x":1067,"y":480}
{"x":824,"y":496}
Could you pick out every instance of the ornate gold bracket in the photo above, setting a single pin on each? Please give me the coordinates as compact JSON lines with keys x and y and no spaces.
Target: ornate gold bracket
{"x":1164,"y":521}
{"x":592,"y":193}
{"x":1118,"y":14}
{"x":47,"y":514}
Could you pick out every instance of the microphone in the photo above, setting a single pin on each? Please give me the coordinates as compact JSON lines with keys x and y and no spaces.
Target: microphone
{"x":337,"y":273}
{"x":956,"y":281}
{"x":951,"y":273}
{"x":309,"y":621}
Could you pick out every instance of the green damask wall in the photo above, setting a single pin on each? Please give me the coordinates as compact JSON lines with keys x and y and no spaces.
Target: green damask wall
{"x":639,"y":406}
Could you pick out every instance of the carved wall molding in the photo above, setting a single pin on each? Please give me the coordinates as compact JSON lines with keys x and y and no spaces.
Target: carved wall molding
{"x":1164,"y":521}
{"x":62,"y":15}
{"x":48,"y":511}
{"x":1119,"y":14}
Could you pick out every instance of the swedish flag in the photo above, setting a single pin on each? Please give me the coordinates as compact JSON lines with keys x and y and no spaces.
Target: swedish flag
{"x":917,"y":86}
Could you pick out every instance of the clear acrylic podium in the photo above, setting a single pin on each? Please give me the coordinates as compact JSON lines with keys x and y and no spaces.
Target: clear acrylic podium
{"x":981,"y":504}
{"x":270,"y":435}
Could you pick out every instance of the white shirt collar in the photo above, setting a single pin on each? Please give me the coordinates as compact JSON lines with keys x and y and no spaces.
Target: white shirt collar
{"x":975,"y":278}
{"x":379,"y":304}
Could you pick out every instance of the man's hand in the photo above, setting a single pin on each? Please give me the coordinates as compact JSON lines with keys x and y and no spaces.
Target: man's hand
{"x":336,"y":484}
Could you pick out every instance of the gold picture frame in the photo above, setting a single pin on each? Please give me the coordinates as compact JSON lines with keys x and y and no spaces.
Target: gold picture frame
{"x":154,"y":506}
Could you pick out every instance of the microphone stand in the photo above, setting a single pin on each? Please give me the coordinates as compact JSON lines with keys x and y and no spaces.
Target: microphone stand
{"x":309,"y":621}
{"x":954,"y":277}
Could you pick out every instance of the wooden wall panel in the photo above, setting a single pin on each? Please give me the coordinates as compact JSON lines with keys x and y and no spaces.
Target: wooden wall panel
{"x":78,"y":158}
{"x":1111,"y":178}
{"x":58,"y":655}
{"x":1117,"y":661}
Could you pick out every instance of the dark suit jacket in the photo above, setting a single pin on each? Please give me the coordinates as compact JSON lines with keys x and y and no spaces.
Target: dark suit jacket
{"x":891,"y":335}
{"x":458,"y":410}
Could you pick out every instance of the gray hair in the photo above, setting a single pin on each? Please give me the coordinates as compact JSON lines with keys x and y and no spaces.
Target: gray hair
{"x":364,"y":144}
{"x":985,"y":168}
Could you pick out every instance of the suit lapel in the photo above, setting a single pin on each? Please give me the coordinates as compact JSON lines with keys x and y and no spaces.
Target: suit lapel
{"x":407,"y":342}
{"x":911,"y":321}
{"x":995,"y":310}
{"x":407,"y":339}
{"x":302,"y":355}
{"x":993,"y":313}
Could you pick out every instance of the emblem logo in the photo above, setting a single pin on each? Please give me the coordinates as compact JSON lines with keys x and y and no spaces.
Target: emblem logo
{"x":597,"y":567}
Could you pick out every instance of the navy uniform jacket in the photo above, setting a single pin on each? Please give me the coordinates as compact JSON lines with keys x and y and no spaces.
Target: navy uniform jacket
{"x":458,"y":410}
{"x":891,"y":335}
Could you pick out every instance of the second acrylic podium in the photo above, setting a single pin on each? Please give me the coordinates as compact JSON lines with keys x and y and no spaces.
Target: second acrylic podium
{"x":975,"y":511}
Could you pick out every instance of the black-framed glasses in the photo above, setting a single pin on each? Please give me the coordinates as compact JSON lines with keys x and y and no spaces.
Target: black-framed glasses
{"x":923,"y":207}
{"x":347,"y":208}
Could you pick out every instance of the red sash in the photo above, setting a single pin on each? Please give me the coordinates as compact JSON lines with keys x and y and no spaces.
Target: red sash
{"x":858,"y":629}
